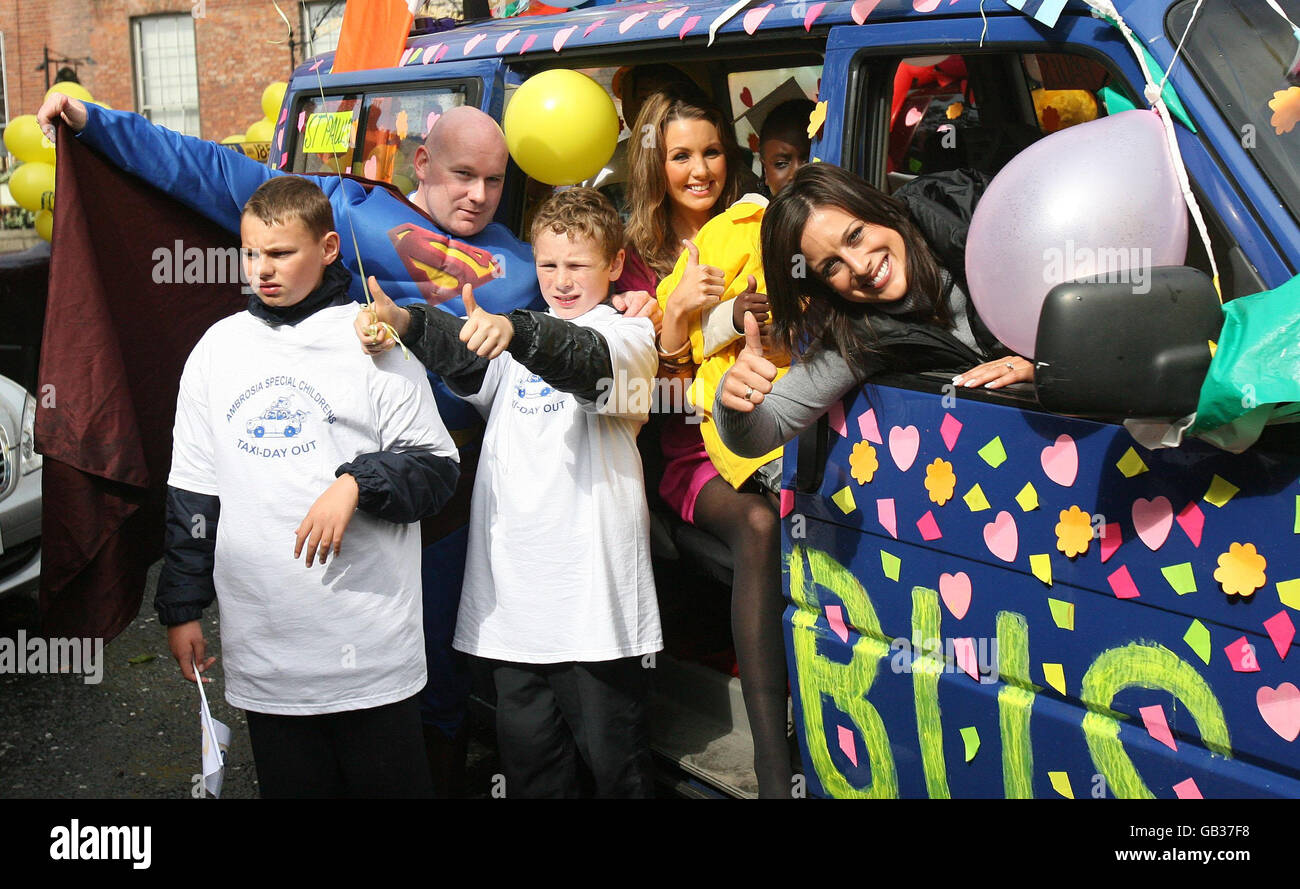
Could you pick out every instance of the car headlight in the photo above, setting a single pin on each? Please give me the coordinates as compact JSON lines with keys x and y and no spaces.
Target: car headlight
{"x":30,"y":460}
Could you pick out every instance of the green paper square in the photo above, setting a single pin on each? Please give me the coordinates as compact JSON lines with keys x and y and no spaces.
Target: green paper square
{"x":993,"y":452}
{"x":891,"y":564}
{"x":1180,"y":577}
{"x":1062,"y":613}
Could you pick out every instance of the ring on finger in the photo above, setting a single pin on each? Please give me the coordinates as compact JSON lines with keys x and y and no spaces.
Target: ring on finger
{"x":1009,"y":365}
{"x":749,"y":393}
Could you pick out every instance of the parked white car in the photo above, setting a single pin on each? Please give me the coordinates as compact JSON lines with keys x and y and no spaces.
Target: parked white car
{"x":20,"y":492}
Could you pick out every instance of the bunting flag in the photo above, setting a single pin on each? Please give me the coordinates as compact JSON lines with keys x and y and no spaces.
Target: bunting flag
{"x":373,"y":34}
{"x":1045,"y":11}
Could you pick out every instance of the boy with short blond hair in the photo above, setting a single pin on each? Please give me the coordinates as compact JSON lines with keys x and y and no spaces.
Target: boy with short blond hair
{"x":275,"y":407}
{"x":559,"y":598}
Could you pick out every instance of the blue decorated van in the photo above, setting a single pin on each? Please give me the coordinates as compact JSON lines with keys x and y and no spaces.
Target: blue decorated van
{"x":989,"y":594}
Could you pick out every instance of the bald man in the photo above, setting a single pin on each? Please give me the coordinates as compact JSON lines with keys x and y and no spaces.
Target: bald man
{"x":461,"y":168}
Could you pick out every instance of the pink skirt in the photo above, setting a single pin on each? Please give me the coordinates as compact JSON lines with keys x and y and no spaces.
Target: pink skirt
{"x":687,"y":466}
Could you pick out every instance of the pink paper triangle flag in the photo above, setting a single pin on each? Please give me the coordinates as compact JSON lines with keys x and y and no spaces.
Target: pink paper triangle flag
{"x":1192,"y":521}
{"x":1187,"y":790}
{"x":845,"y":738}
{"x":888,"y":519}
{"x":835,"y":617}
{"x":949,"y":429}
{"x":1157,"y":727}
{"x":1282,"y":631}
{"x":869,"y":428}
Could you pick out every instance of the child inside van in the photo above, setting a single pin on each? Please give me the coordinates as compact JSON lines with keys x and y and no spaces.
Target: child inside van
{"x":274,"y":408}
{"x":783,"y":143}
{"x":559,"y":598}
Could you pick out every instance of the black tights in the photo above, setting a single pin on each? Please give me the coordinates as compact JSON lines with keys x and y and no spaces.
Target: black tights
{"x":749,"y":525}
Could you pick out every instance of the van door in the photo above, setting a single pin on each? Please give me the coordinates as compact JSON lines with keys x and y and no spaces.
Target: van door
{"x":941,"y":642}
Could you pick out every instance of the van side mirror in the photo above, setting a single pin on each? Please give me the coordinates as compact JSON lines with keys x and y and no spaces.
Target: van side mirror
{"x":1126,"y":349}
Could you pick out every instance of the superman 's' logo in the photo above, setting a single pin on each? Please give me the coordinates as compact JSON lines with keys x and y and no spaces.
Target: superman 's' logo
{"x":440,"y":265}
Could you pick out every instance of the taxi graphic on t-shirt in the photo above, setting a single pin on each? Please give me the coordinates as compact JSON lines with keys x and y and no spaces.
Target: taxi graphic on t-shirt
{"x":279,"y":420}
{"x":533,"y":387}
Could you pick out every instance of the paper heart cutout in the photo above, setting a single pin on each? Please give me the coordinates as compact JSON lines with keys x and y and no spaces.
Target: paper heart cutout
{"x":904,"y":442}
{"x":755,"y":17}
{"x":1002,"y":537}
{"x":954,"y":589}
{"x":747,"y":97}
{"x":913,"y":117}
{"x":1280,"y":708}
{"x":1153,"y":519}
{"x":1061,"y":461}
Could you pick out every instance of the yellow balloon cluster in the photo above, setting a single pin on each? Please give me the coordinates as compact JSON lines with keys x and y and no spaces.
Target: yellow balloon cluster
{"x":32,"y":182}
{"x":264,"y":129}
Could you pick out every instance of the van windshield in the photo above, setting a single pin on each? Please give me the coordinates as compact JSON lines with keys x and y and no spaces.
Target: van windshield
{"x":1241,"y":51}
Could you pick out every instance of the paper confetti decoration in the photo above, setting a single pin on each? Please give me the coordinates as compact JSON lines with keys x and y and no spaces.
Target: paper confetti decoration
{"x":1131,"y":464}
{"x":1241,"y":570}
{"x":724,"y":18}
{"x":593,"y":26}
{"x":970,"y":738}
{"x":887,"y":517}
{"x":504,"y":40}
{"x":1111,"y":538}
{"x":1002,"y":537}
{"x":1028,"y":500}
{"x":437,"y":56}
{"x":1061,"y":784}
{"x":869,"y":428}
{"x":528,"y":43}
{"x":1044,"y":11}
{"x":1122,"y":585}
{"x":975,"y":499}
{"x":1180,"y":577}
{"x":993,"y":453}
{"x":1282,"y":631}
{"x":1040,"y":565}
{"x":890,"y":564}
{"x":631,"y":22}
{"x":843,"y":498}
{"x":1187,"y":790}
{"x":1197,"y":638}
{"x":1073,"y":532}
{"x":940,"y":481}
{"x":687,"y":26}
{"x":472,"y":43}
{"x":904,"y":442}
{"x":955,"y":590}
{"x":1220,"y":491}
{"x":1062,"y":613}
{"x":863,"y":463}
{"x":1152,"y":520}
{"x":787,"y":502}
{"x":1153,"y":718}
{"x":562,"y":36}
{"x":1054,"y":674}
{"x":754,"y":17}
{"x":669,"y":17}
{"x":847,"y":744}
{"x":1192,"y":521}
{"x":928,"y":527}
{"x":963,"y":650}
{"x":1296,"y":527}
{"x":1241,"y":655}
{"x":403,"y":124}
{"x":1285,"y":106}
{"x":371,"y":169}
{"x":1280,"y":708}
{"x":1288,"y":593}
{"x":811,"y":16}
{"x":835,"y":617}
{"x":862,"y":9}
{"x":1061,"y":461}
{"x":949,"y":429}
{"x":835,"y":415}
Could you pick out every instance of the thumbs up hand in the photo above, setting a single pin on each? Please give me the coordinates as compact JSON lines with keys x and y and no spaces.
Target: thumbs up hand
{"x":484,"y":334}
{"x":750,"y":379}
{"x":700,"y":286}
{"x":370,"y":321}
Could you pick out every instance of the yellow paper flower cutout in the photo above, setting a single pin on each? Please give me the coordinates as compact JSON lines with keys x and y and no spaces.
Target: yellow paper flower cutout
{"x":863,"y":462}
{"x":1074,"y":531}
{"x":940,"y":481}
{"x":1241,"y":570}
{"x":1286,"y":109}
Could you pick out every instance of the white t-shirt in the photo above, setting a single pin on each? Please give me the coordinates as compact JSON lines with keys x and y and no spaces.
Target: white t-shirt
{"x":264,"y":417}
{"x":558,"y":567}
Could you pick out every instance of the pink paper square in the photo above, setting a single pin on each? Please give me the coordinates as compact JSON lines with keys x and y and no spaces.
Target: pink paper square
{"x":1192,"y":521}
{"x":1121,"y":584}
{"x":1187,"y":790}
{"x":869,"y":428}
{"x":835,"y":617}
{"x":928,"y":527}
{"x":949,"y":429}
{"x":1157,"y":726}
{"x":1241,"y":654}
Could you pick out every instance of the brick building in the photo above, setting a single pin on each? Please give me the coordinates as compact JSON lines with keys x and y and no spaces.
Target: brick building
{"x":197,"y":66}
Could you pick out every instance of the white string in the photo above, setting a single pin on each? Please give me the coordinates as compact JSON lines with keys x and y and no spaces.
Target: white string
{"x":1278,"y":10}
{"x":984,"y":20}
{"x":1178,"y":49}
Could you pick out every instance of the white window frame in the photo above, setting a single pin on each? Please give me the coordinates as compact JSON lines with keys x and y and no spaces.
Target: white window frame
{"x":315,"y":12}
{"x":177,"y":68}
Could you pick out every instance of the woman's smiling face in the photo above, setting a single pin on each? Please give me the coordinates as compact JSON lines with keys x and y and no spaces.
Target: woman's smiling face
{"x":695,"y":164}
{"x":861,"y":262}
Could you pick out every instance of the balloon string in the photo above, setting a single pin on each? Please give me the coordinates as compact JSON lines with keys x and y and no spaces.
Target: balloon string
{"x":1179,"y":49}
{"x":984,"y":21}
{"x":1153,"y":95}
{"x":347,"y":213}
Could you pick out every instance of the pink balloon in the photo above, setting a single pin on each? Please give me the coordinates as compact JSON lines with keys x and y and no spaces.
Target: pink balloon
{"x":1099,"y":198}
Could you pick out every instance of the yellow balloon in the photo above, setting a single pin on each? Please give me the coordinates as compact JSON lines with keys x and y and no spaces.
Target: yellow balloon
{"x":272,"y":98}
{"x":561,"y":127}
{"x":262,"y":131}
{"x":235,"y":139}
{"x":68,"y":88}
{"x":45,"y":224}
{"x":25,"y":141}
{"x":32,"y":186}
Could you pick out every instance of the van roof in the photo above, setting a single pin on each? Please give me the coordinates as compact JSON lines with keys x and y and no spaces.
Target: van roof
{"x":612,"y":25}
